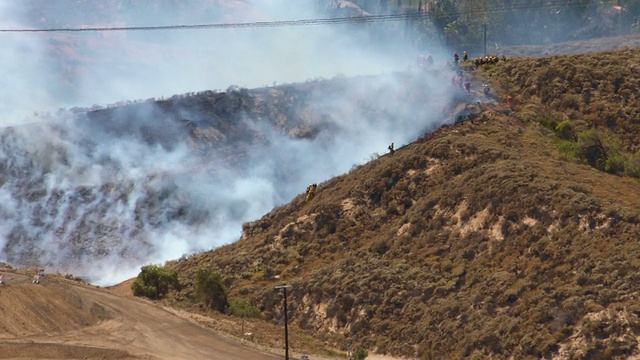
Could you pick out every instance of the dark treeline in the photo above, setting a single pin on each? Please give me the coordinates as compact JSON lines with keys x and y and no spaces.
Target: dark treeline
{"x":462,"y":23}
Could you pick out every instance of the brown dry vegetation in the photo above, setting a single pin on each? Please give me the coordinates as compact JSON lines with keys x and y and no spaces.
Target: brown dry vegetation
{"x":590,"y":102}
{"x":485,"y":240}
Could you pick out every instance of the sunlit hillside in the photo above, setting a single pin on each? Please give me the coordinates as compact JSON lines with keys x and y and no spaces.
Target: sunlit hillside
{"x":485,"y":239}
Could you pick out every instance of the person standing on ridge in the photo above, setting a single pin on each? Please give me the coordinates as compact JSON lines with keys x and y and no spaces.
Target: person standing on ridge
{"x":456,"y":57}
{"x":311,"y":191}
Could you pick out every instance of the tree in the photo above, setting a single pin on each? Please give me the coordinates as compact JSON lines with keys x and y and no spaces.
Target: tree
{"x":209,"y":289}
{"x":154,"y":282}
{"x":442,"y":13}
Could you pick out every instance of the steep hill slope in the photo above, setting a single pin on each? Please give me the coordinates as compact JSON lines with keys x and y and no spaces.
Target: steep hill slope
{"x":484,"y":240}
{"x":100,"y":191}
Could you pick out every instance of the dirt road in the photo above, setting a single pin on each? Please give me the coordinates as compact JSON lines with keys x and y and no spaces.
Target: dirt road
{"x":62,"y":319}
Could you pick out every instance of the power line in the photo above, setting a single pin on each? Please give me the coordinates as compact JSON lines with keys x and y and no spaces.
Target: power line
{"x":307,"y":22}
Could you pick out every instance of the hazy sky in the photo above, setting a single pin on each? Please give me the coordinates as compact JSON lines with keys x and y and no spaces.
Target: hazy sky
{"x":53,"y":70}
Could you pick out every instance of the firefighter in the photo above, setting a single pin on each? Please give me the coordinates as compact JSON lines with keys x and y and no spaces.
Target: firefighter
{"x":509,"y":102}
{"x":465,"y":57}
{"x":486,"y":89}
{"x":391,"y":149}
{"x":456,"y":57}
{"x":311,"y":191}
{"x":459,"y":82}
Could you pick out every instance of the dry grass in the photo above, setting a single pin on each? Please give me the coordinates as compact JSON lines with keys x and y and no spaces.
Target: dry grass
{"x":589,"y":101}
{"x":483,"y":241}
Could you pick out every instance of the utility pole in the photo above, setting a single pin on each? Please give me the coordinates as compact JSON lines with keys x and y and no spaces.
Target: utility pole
{"x":284,"y":287}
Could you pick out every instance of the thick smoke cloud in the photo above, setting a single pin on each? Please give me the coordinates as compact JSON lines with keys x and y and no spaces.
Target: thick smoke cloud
{"x":101,"y":197}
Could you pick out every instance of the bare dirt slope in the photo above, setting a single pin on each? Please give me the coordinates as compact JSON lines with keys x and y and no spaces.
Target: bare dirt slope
{"x":61,"y":319}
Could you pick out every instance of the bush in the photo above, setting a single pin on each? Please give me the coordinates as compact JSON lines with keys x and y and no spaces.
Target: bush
{"x":615,"y":163}
{"x":570,"y":149}
{"x":565,"y":131}
{"x":209,"y":289}
{"x":592,"y":149}
{"x":154,"y":282}
{"x":548,"y":122}
{"x":243,"y":308}
{"x":632,"y":167}
{"x":360,"y":354}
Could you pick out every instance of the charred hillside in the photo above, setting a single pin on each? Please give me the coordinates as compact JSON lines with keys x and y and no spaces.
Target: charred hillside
{"x":95,"y":189}
{"x":488,"y":239}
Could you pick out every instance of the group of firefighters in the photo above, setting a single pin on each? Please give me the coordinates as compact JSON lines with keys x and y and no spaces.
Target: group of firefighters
{"x":458,"y":81}
{"x":425,"y":61}
{"x":479,"y":61}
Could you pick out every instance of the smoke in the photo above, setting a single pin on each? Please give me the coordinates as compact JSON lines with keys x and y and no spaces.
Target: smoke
{"x":102,"y":193}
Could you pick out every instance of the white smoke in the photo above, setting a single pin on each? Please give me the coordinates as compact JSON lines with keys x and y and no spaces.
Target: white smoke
{"x":100,"y":198}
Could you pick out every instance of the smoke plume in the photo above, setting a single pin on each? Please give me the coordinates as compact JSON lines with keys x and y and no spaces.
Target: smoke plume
{"x":100,"y":193}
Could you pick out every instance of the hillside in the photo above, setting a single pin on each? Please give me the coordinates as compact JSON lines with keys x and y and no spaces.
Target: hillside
{"x":488,"y":239}
{"x":99,"y":191}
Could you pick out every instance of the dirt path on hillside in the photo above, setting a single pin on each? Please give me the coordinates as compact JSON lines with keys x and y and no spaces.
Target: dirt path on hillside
{"x":103,"y":325}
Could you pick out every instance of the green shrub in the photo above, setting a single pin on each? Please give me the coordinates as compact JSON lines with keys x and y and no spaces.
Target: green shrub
{"x":632,"y":167}
{"x":360,"y":354}
{"x":154,"y":282}
{"x":243,"y":308}
{"x":209,"y":289}
{"x":565,"y":131}
{"x":615,"y":163}
{"x":570,"y":149}
{"x":592,"y":149}
{"x":548,"y":122}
